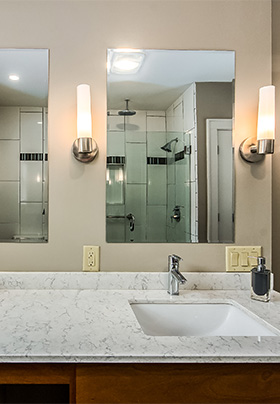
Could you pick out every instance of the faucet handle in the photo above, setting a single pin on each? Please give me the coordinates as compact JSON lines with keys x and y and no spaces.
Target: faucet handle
{"x":176,"y":257}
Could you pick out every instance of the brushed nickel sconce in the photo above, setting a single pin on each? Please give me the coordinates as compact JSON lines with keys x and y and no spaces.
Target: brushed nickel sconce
{"x":84,"y":147}
{"x":252,"y":149}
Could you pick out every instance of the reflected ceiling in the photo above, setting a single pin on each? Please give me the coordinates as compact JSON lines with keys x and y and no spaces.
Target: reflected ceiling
{"x":161,"y":80}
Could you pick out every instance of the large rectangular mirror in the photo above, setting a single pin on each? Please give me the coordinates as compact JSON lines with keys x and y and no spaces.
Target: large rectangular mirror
{"x":170,"y":169}
{"x":24,"y":145}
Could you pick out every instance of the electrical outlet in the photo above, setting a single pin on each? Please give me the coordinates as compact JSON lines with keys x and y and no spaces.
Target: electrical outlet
{"x":91,"y":258}
{"x":242,"y":259}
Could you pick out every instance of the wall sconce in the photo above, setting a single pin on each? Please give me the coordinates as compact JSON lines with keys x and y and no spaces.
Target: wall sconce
{"x":84,"y":148}
{"x":253,"y":150}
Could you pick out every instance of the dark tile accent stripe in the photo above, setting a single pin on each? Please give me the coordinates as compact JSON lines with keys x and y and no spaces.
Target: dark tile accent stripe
{"x":180,"y":155}
{"x":157,"y":160}
{"x":116,"y":160}
{"x":32,"y":156}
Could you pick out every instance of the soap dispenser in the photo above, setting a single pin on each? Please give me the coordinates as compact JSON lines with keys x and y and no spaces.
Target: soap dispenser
{"x":260,"y":287}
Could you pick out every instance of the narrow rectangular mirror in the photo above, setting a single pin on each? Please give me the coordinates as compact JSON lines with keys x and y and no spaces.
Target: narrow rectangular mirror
{"x":170,"y":168}
{"x":24,"y":145}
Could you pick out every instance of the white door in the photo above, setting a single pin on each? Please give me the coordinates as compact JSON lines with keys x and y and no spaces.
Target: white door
{"x":220,"y":181}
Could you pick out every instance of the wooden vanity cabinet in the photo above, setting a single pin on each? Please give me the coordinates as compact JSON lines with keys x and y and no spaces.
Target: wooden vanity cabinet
{"x":178,"y":383}
{"x":38,"y":374}
{"x":161,"y":383}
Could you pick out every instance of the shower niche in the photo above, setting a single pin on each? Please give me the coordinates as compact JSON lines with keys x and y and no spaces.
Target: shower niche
{"x":158,"y":173}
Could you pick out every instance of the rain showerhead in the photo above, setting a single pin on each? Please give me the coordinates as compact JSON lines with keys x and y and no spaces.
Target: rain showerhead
{"x":126,"y":111}
{"x":167,"y":146}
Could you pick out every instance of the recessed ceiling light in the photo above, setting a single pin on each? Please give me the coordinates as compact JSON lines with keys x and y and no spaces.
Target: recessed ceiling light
{"x":126,"y":61}
{"x":13,"y":77}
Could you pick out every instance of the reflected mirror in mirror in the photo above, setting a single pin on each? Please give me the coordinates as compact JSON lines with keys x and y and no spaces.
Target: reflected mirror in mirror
{"x":24,"y":145}
{"x":170,"y":169}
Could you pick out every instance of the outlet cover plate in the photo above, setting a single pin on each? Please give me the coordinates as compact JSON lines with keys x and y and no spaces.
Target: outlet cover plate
{"x":91,"y":258}
{"x":239,"y":258}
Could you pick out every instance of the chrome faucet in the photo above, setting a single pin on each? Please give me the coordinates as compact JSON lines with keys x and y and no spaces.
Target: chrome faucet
{"x":175,"y":278}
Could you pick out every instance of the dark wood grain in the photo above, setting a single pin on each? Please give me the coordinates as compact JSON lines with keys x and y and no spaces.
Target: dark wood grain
{"x":40,"y":374}
{"x":178,"y":383}
{"x":155,"y":383}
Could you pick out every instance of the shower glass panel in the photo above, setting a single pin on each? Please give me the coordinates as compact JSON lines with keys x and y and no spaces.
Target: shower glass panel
{"x":178,"y":218}
{"x":147,"y":179}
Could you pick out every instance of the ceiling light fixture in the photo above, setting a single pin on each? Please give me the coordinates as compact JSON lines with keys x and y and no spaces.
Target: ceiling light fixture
{"x":126,"y":61}
{"x":13,"y":77}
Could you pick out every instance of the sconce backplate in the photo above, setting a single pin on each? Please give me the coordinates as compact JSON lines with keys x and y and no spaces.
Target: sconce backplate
{"x":88,"y":154}
{"x":249,"y":151}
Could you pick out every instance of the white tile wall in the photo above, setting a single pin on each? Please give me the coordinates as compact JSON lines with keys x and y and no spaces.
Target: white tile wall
{"x":31,"y":132}
{"x":9,"y":160}
{"x":46,"y":172}
{"x":136,"y":202}
{"x":9,"y":123}
{"x":136,"y":236}
{"x":8,"y":230}
{"x":115,"y":122}
{"x":180,"y":234}
{"x":115,"y":231}
{"x":136,"y":163}
{"x":156,"y":223}
{"x":171,"y":201}
{"x":155,"y":123}
{"x":170,"y":168}
{"x":116,"y":143}
{"x":157,"y":185}
{"x":45,"y":220}
{"x":156,"y":113}
{"x":31,"y":181}
{"x":115,"y":227}
{"x":115,"y":185}
{"x":182,"y":171}
{"x":155,"y":140}
{"x":31,"y":218}
{"x":9,"y":202}
{"x":135,"y":127}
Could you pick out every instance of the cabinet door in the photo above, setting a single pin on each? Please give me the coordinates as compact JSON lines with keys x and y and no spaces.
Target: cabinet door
{"x":42,"y":383}
{"x":201,"y":383}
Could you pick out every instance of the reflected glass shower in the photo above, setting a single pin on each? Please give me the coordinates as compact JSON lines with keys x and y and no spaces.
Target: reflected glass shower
{"x":147,"y":180}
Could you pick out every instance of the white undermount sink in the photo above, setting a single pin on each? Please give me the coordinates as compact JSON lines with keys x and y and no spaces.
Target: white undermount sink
{"x":199,"y":319}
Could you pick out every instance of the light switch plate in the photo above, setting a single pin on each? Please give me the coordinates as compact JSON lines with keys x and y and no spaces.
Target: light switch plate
{"x":240,"y":258}
{"x":91,"y":258}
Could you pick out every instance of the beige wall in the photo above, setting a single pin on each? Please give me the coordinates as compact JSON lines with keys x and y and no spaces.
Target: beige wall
{"x":77,"y":34}
{"x":276,"y":157}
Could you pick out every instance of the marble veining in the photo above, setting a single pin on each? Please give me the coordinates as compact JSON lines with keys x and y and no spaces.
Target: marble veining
{"x":121,"y":280}
{"x":96,"y":325}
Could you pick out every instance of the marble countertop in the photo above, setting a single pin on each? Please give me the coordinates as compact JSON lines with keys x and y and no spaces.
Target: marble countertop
{"x":98,"y":325}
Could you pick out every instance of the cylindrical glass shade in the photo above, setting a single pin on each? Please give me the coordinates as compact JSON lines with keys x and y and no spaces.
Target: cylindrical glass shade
{"x":266,"y":113}
{"x":84,"y":126}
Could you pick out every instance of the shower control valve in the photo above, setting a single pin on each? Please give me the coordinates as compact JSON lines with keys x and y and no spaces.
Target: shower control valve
{"x":176,"y":213}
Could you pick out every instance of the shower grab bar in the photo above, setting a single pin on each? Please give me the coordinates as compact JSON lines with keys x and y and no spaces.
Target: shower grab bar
{"x":130,"y":217}
{"x":115,"y":217}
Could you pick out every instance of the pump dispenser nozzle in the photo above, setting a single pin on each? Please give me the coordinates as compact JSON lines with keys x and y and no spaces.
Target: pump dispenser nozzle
{"x":261,"y":264}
